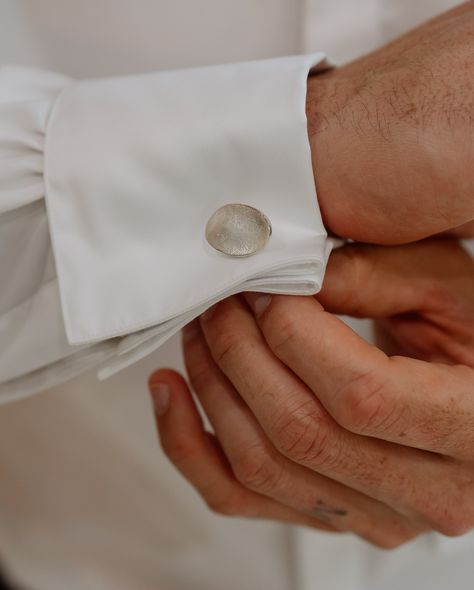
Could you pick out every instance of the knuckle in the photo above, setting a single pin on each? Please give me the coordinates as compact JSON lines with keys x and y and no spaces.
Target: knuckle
{"x":391,"y":533}
{"x":178,"y":449}
{"x":201,"y":373}
{"x":228,"y":348}
{"x":302,"y":436}
{"x":448,"y":514}
{"x":451,"y":525}
{"x":229,"y":505}
{"x":257,"y":471}
{"x":364,"y":408}
{"x":283,"y":336}
{"x":391,"y":542}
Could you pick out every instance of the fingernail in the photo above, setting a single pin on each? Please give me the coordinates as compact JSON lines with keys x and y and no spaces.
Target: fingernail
{"x":258,"y":302}
{"x":190,"y":331}
{"x":160,"y":394}
{"x":207,"y":315}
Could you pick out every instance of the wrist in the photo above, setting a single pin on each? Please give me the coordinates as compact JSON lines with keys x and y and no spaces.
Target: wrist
{"x":357,"y":158}
{"x":385,"y":171}
{"x":327,"y":98}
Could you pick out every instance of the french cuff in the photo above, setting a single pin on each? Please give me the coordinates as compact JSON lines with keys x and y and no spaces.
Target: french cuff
{"x":135,"y":167}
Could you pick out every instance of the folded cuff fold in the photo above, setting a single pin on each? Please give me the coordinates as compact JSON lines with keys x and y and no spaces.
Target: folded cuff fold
{"x":136,"y":166}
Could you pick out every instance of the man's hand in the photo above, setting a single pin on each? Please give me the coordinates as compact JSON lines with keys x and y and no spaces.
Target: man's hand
{"x":315,"y":426}
{"x":391,"y":135}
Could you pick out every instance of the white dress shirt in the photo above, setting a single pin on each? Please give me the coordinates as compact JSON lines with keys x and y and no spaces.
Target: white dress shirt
{"x":87,"y":501}
{"x":115,"y":179}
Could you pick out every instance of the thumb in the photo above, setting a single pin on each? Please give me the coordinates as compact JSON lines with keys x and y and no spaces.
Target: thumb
{"x":381,"y":281}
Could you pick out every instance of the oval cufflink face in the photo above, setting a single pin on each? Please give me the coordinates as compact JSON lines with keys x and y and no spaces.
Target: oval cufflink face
{"x":238,"y":230}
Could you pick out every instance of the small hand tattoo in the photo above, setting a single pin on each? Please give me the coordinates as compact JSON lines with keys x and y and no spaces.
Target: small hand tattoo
{"x":324,"y":512}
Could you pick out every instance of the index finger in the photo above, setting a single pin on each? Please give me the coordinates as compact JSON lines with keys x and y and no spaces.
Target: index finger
{"x":422,"y":405}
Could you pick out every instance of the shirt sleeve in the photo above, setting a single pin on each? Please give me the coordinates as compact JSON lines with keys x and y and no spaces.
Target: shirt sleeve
{"x":106,"y":188}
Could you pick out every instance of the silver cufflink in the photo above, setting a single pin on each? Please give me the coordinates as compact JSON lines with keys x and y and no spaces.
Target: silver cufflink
{"x":238,"y":230}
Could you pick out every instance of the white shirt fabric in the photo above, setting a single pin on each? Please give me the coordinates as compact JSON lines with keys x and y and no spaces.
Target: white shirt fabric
{"x":131,"y":168}
{"x":87,"y":500}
